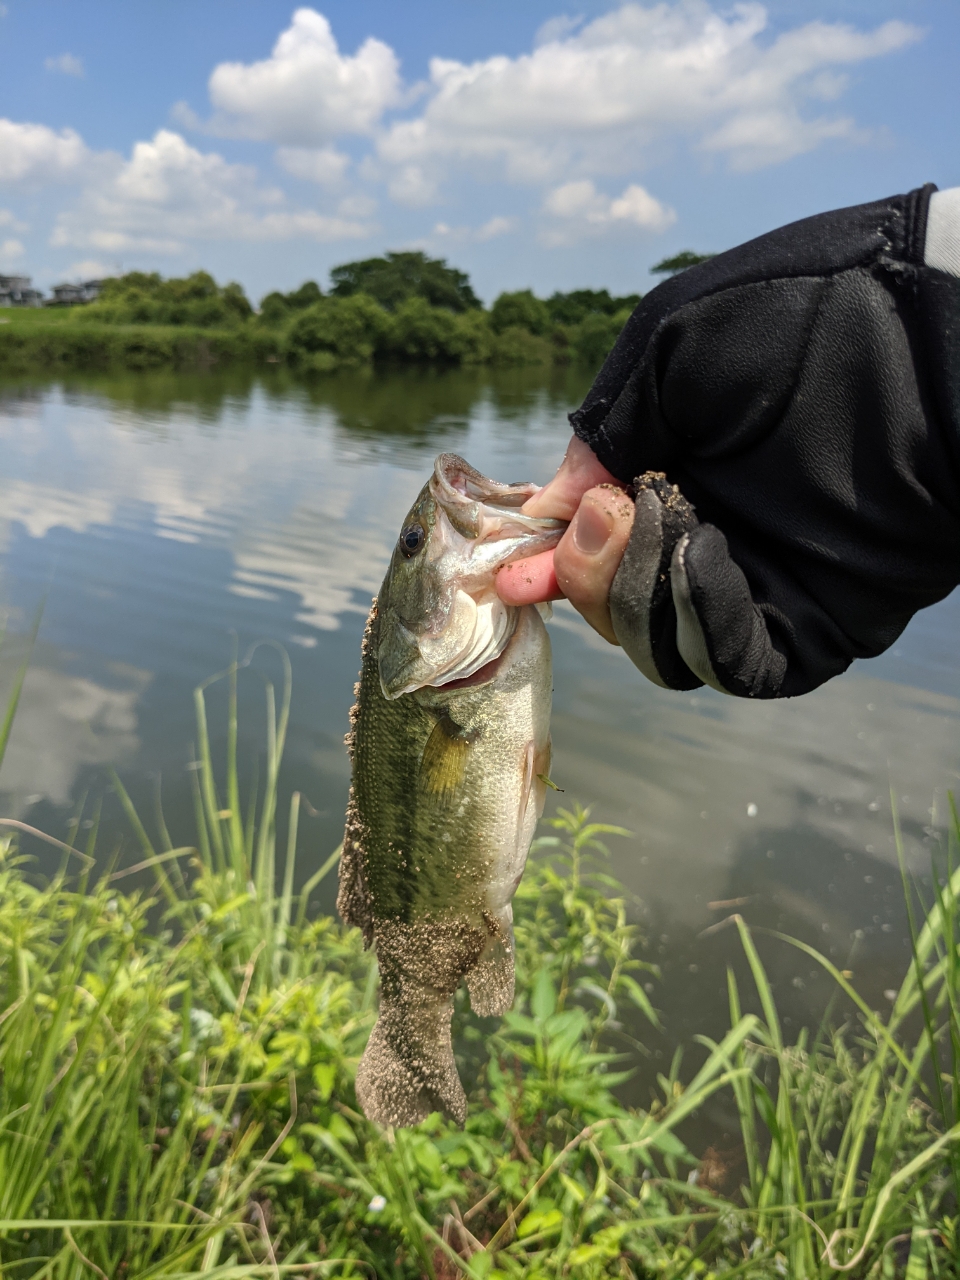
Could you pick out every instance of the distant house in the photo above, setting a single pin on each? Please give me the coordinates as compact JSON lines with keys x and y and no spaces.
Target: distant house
{"x":15,"y":291}
{"x":70,"y":295}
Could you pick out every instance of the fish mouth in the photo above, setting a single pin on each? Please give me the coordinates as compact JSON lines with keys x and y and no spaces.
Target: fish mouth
{"x":478,"y":528}
{"x":455,"y":480}
{"x":471,"y":500}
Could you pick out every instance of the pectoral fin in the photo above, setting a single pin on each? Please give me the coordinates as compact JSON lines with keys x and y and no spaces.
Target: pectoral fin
{"x":444,"y":761}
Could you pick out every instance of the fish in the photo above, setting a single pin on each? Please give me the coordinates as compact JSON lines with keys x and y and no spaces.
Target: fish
{"x":450,"y":751}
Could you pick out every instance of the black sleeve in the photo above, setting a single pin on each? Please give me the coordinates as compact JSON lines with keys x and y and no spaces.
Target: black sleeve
{"x":802,"y":391}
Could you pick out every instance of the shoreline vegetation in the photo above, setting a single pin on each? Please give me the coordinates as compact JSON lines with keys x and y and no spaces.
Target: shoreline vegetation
{"x":179,"y":1037}
{"x":403,"y":309}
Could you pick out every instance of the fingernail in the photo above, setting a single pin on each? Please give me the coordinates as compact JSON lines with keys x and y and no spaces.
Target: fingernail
{"x":591,"y":528}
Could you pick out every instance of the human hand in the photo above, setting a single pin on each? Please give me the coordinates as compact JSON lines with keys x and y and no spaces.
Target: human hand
{"x":584,"y":563}
{"x":788,"y":414}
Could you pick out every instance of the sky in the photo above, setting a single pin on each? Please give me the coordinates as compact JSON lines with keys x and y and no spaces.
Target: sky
{"x":535,"y":145}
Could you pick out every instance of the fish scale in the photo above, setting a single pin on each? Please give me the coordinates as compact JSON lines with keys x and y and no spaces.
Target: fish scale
{"x":445,"y":792}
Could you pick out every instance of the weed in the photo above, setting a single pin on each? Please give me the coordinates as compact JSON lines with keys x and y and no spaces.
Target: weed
{"x":177,"y":1064}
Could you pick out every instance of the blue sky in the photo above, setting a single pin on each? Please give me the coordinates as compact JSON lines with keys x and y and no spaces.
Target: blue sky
{"x":536,"y":144}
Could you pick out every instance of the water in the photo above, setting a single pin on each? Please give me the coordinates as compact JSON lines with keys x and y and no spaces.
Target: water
{"x":165,"y":518}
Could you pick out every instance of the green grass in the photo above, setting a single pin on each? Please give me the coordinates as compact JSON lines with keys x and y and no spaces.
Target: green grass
{"x":57,"y":340}
{"x":33,"y":317}
{"x":179,"y":1036}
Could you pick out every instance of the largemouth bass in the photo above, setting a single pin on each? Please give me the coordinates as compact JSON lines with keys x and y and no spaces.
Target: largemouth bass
{"x":450,"y":741}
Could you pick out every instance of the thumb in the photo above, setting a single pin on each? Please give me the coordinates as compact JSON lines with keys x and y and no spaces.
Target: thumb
{"x":580,"y":470}
{"x":589,"y":553}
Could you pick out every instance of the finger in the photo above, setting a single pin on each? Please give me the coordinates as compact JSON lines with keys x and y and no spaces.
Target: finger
{"x":589,"y":554}
{"x":532,"y":581}
{"x":580,"y":470}
{"x":721,"y":633}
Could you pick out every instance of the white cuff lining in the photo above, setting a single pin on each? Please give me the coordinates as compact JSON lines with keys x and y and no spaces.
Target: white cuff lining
{"x":942,"y":248}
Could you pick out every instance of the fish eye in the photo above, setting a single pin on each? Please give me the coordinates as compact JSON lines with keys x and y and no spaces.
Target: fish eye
{"x":412,"y":539}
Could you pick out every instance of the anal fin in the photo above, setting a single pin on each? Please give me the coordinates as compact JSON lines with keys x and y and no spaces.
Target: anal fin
{"x":491,"y":981}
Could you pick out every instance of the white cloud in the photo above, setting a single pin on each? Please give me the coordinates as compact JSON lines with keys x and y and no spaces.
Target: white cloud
{"x":357,"y":206}
{"x":90,"y":269}
{"x":596,"y":100}
{"x":496,"y":226}
{"x":578,"y":116}
{"x":573,"y":200}
{"x":169,"y":193}
{"x":66,"y":64}
{"x":9,"y":219}
{"x":753,"y":141}
{"x":556,"y":29}
{"x":324,"y":165}
{"x":579,"y":209}
{"x":412,"y":186}
{"x":10,"y":250}
{"x":183,"y":114}
{"x":306,"y":93}
{"x":32,"y":153}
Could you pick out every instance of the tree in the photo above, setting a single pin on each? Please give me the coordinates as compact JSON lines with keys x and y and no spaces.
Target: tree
{"x":337,"y":331}
{"x":571,"y":308}
{"x":519,"y":310}
{"x":276,"y":307}
{"x":197,"y":299}
{"x":396,"y":277}
{"x":679,"y":262}
{"x":308,"y":293}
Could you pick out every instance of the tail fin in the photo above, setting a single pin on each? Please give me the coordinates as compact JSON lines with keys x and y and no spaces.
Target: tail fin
{"x":407,"y":1070}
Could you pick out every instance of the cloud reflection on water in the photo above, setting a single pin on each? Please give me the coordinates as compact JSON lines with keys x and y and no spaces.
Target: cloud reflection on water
{"x":162,"y":512}
{"x":66,"y":724}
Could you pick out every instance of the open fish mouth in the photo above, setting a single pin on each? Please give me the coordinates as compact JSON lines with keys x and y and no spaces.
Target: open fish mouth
{"x":479,"y":507}
{"x":443,"y":621}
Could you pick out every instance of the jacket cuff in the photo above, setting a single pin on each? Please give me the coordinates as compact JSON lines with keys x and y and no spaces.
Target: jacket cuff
{"x":942,"y":246}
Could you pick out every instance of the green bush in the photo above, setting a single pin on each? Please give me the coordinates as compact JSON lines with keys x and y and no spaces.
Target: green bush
{"x":475,"y":339}
{"x":177,"y":1066}
{"x":404,"y":307}
{"x":571,"y":308}
{"x":420,"y":332}
{"x":337,"y":332}
{"x":594,"y":336}
{"x":61,"y":346}
{"x":140,"y":298}
{"x":278,"y":308}
{"x":334,"y":333}
{"x":520,"y":310}
{"x":518,"y":345}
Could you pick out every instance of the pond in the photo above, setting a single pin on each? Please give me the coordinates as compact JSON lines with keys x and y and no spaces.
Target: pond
{"x":160,"y":520}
